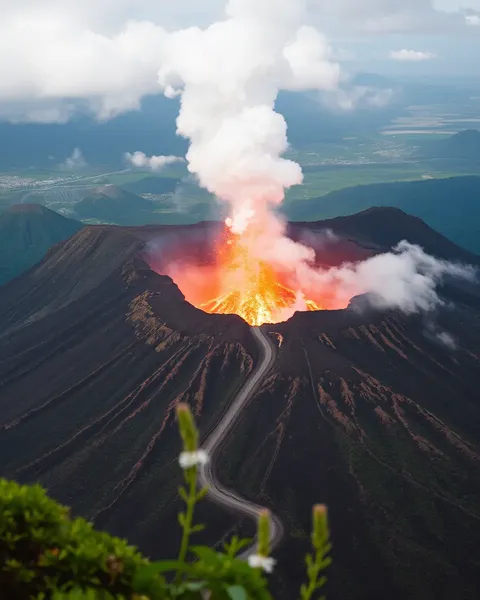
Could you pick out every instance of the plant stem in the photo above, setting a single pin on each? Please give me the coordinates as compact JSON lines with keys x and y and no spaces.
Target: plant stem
{"x":313,"y":577}
{"x":190,"y":475}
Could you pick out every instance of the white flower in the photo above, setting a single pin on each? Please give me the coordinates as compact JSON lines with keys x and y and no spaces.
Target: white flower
{"x":191,"y":459}
{"x":264,"y":562}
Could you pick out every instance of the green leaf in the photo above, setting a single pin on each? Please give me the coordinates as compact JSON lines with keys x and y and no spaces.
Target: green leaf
{"x":206,"y":554}
{"x":183,"y":494}
{"x":195,"y":586}
{"x":237,"y":592}
{"x":202,"y":493}
{"x":321,"y":582}
{"x":197,"y":528}
{"x":236,"y":544}
{"x":162,"y":566}
{"x":244,"y":542}
{"x":147,"y":574}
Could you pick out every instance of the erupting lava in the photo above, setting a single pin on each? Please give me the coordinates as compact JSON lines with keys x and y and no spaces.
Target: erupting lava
{"x":248,"y":287}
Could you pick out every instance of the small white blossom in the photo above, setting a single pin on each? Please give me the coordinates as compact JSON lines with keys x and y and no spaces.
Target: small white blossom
{"x":191,"y":459}
{"x":264,"y":562}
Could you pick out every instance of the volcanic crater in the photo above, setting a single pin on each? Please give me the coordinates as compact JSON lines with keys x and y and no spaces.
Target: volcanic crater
{"x":217,"y":272}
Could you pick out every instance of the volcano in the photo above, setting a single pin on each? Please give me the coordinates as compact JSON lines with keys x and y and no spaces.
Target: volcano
{"x":373,"y":412}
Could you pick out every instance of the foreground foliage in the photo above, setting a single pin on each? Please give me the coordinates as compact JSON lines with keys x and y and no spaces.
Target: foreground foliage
{"x":45,"y":554}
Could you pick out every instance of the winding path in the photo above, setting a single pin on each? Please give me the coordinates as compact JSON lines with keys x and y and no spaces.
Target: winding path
{"x":218,"y":493}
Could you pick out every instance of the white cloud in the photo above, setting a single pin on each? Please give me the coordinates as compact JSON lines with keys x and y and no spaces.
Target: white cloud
{"x":46,"y":58}
{"x":155,"y":163}
{"x":349,"y":98}
{"x":105,"y":54}
{"x":74,"y":162}
{"x":411,"y":55}
{"x":472,"y":19}
{"x":92,"y":54}
{"x":394,"y":16}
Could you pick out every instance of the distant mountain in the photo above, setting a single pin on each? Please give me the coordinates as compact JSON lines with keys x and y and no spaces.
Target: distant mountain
{"x":464,"y":145}
{"x":451,"y":206}
{"x":112,"y":204}
{"x":381,"y":227}
{"x":152,"y":185}
{"x":27,"y":232}
{"x":365,"y":411}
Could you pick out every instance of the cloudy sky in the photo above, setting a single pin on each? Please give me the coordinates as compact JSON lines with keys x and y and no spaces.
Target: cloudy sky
{"x":107,"y":53}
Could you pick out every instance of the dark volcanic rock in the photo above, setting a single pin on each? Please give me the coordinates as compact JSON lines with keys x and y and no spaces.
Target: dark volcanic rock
{"x":375,"y":413}
{"x":380,"y":421}
{"x":95,"y":351}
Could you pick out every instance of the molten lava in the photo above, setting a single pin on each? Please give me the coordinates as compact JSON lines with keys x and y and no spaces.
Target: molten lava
{"x":251,"y":275}
{"x":251,"y":288}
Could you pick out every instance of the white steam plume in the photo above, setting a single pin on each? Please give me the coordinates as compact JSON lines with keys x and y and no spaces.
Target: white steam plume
{"x":228,"y":77}
{"x":155,"y":163}
{"x":405,"y":278}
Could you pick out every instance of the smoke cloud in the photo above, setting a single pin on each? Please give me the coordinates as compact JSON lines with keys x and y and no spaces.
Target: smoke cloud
{"x":155,"y":163}
{"x":405,"y":278}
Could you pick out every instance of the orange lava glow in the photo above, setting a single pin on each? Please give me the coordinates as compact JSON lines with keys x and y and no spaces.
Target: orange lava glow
{"x":241,"y":284}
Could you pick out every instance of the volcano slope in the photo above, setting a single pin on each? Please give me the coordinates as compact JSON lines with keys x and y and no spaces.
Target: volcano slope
{"x":375,"y":413}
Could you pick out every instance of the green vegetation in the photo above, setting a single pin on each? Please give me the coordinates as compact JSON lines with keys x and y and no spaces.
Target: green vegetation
{"x":46,"y":554}
{"x":43,"y":550}
{"x":363,"y":160}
